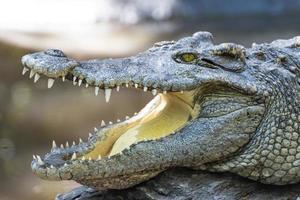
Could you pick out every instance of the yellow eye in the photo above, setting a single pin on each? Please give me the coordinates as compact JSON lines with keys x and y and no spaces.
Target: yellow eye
{"x":188,"y":57}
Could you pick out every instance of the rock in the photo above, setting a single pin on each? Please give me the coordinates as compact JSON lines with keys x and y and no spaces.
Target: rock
{"x":183,"y":183}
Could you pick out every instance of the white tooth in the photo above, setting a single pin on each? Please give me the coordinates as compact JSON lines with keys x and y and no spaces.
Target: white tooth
{"x":102,"y":123}
{"x":96,"y":90}
{"x":99,"y":157}
{"x":90,"y":135}
{"x":62,"y":146}
{"x":107,"y":94}
{"x":67,"y":144}
{"x":65,"y":164}
{"x":79,"y":82}
{"x":154,"y":92}
{"x":34,"y":157}
{"x":136,"y":85}
{"x":90,"y":158}
{"x":83,"y":158}
{"x":118,"y":120}
{"x":51,"y":166}
{"x":127,"y":117}
{"x":145,"y":89}
{"x":74,"y":80}
{"x":118,"y":88}
{"x":135,"y":113}
{"x":110,"y":123}
{"x":53,"y":144}
{"x":127,"y":85}
{"x":25,"y":70}
{"x":73,"y":143}
{"x":50,"y":82}
{"x":181,"y":91}
{"x":40,"y":162}
{"x":74,"y":156}
{"x":63,"y":78}
{"x":164,"y":92}
{"x":31,"y":73}
{"x":95,"y":129}
{"x":80,"y":140}
{"x":86,"y":85}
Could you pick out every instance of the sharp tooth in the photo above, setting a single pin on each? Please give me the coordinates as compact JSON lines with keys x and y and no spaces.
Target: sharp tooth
{"x":164,"y":92}
{"x":34,"y":157}
{"x":80,"y":140}
{"x":40,"y":162}
{"x":63,"y":78}
{"x":83,"y":158}
{"x":118,"y":120}
{"x":74,"y":156}
{"x":50,"y":82}
{"x":53,"y":144}
{"x":136,"y":85}
{"x":90,"y":135}
{"x":99,"y":157}
{"x":110,"y":123}
{"x":107,"y":94}
{"x":118,"y":88}
{"x":73,"y":143}
{"x":25,"y":70}
{"x":51,"y":166}
{"x":95,"y":129}
{"x":127,"y":117}
{"x":65,"y":164}
{"x":67,"y":144}
{"x":62,"y":146}
{"x":127,"y":85}
{"x":181,"y":91}
{"x":31,"y":73}
{"x":154,"y":92}
{"x":79,"y":82}
{"x":96,"y":90}
{"x":90,"y":158}
{"x":135,"y":113}
{"x":102,"y":123}
{"x":74,"y":80}
{"x":145,"y":89}
{"x":86,"y":85}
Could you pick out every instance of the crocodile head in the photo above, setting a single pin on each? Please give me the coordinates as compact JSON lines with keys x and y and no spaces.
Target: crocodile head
{"x":214,"y":108}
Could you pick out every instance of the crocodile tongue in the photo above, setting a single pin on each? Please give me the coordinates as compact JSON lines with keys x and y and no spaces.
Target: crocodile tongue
{"x":162,"y":116}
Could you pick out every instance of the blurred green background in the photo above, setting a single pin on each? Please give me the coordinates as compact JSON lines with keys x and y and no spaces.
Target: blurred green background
{"x":31,"y":116}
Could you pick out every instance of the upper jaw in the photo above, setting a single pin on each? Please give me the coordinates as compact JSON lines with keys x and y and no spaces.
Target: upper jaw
{"x":107,"y":73}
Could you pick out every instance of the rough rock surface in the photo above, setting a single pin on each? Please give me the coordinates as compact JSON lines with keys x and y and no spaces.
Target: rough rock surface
{"x":188,"y":184}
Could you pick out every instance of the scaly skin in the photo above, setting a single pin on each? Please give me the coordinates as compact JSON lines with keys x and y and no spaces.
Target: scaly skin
{"x":244,"y":112}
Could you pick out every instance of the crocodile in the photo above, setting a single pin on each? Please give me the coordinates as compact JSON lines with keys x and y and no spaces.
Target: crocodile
{"x":216,"y":107}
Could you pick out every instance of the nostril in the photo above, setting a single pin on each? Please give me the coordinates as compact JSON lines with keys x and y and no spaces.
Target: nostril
{"x":55,"y":52}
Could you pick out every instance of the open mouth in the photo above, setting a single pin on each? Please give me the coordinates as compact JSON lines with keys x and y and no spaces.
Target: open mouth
{"x":164,"y":115}
{"x":175,"y":128}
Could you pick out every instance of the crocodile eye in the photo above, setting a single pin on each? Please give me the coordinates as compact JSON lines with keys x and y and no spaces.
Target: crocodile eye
{"x":186,"y":58}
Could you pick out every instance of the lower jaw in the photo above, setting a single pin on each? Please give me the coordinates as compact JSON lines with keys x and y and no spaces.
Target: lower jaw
{"x":119,"y":182}
{"x":162,"y":116}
